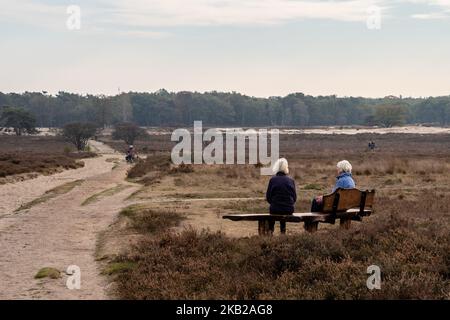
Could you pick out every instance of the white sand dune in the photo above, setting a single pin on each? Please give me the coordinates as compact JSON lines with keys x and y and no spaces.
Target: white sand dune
{"x":330,"y":130}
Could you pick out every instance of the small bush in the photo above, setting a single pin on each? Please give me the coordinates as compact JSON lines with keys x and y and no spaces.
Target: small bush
{"x":118,"y":267}
{"x":154,"y":163}
{"x":47,"y":272}
{"x":182,"y":168}
{"x":151,"y":221}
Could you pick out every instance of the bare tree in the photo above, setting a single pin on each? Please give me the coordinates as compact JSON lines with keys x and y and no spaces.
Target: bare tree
{"x":79,"y":133}
{"x":128,"y":132}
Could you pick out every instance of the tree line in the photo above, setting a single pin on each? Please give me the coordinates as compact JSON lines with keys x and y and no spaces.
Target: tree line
{"x":163,"y":108}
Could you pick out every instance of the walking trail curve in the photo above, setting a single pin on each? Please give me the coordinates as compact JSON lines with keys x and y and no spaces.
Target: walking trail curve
{"x":59,"y":232}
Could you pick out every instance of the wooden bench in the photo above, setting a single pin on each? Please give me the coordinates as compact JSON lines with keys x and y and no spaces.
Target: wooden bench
{"x":344,"y":205}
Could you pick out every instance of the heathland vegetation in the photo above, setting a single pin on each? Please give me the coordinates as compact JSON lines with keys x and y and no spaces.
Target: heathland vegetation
{"x":180,"y":248}
{"x":37,"y":155}
{"x":172,"y":243}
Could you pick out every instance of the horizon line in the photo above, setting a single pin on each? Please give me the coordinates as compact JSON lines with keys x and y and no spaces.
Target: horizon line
{"x":84,"y":94}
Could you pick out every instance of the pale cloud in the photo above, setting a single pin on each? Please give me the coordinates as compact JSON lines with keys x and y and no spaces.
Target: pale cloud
{"x":27,"y":12}
{"x":144,"y":34}
{"x":232,"y":12}
{"x":429,"y":16}
{"x":444,"y":4}
{"x":441,"y":5}
{"x":172,"y":13}
{"x":146,"y":18}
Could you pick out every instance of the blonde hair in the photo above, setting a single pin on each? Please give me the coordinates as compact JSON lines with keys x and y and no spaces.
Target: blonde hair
{"x":344,"y":166}
{"x":281,"y":165}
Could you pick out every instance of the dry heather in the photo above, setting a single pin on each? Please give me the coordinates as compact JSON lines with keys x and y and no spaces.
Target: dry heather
{"x":153,"y":144}
{"x":45,"y":155}
{"x":414,"y":254}
{"x":155,"y":163}
{"x":205,"y":257}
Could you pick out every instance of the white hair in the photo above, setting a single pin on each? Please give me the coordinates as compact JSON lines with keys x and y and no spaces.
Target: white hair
{"x":344,"y":166}
{"x":281,"y":165}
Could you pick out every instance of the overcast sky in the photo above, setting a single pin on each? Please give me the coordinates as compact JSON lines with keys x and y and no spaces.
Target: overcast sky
{"x":257,"y":47}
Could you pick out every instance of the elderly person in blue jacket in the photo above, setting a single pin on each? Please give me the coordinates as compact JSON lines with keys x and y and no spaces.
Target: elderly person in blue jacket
{"x":281,"y":193}
{"x":344,"y":180}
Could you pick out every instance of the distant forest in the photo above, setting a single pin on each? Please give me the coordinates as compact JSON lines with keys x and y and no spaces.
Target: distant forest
{"x":163,"y":108}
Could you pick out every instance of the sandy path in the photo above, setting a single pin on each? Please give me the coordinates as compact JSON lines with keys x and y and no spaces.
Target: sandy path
{"x":12,"y":195}
{"x":58,"y":233}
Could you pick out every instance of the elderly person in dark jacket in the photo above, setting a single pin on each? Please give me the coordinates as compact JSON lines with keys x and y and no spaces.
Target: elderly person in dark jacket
{"x":281,"y":193}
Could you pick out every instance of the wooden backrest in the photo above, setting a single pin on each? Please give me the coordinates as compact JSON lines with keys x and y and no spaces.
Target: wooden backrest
{"x":344,"y":199}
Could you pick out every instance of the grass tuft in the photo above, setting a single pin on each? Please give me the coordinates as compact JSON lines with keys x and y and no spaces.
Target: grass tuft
{"x":105,"y":193}
{"x":50,"y":194}
{"x":114,"y":268}
{"x":151,"y":221}
{"x":312,"y":186}
{"x":48,"y":272}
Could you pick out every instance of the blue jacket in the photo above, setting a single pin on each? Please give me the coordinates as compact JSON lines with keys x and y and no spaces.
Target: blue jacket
{"x":281,"y":194}
{"x":344,"y":181}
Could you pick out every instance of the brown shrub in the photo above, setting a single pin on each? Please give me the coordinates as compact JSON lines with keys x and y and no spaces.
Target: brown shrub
{"x":182,"y":168}
{"x":44,"y":155}
{"x":19,"y":163}
{"x":151,"y":221}
{"x":203,"y":265}
{"x":159,"y":163}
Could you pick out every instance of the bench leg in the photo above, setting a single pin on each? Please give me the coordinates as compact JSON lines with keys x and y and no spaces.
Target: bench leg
{"x":283,"y":227}
{"x":264,"y":228}
{"x":311,"y":226}
{"x":261,"y":228}
{"x":271,"y":227}
{"x":345,"y":223}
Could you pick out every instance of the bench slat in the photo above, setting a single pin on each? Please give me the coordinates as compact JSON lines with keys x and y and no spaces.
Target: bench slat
{"x":296,"y":217}
{"x":262,"y":216}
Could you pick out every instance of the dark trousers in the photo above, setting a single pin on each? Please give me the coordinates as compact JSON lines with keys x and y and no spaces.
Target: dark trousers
{"x":282,"y":226}
{"x":282,"y":223}
{"x":316,"y":207}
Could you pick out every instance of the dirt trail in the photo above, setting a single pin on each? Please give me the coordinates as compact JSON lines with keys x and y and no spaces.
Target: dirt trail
{"x":60,"y":232}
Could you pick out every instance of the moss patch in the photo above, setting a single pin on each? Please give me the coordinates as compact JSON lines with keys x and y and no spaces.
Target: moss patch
{"x":118,"y":267}
{"x":48,"y":272}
